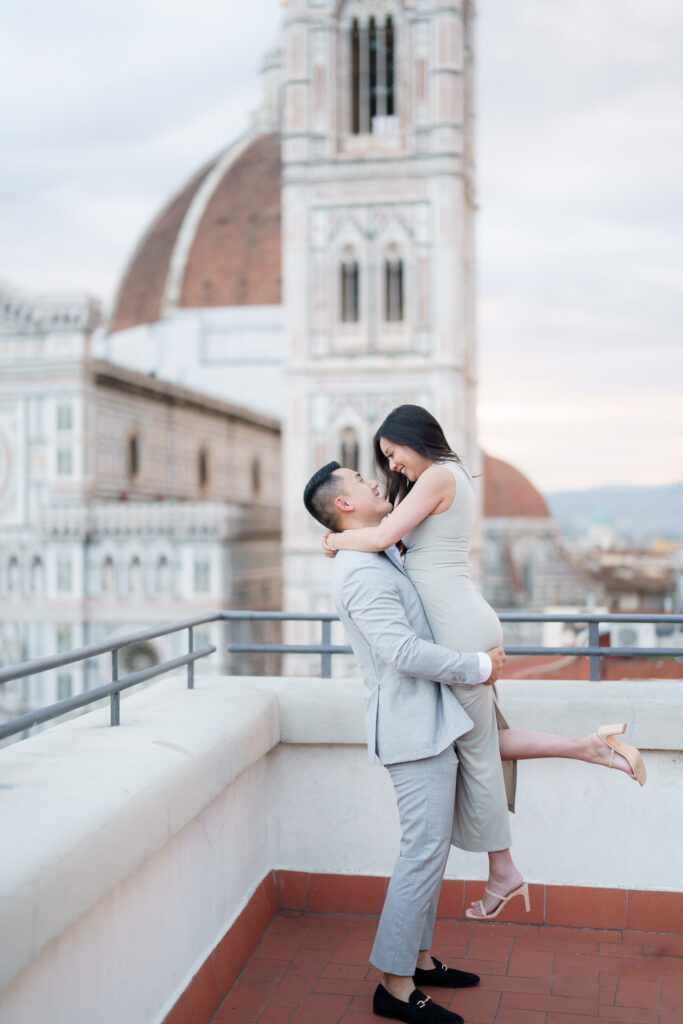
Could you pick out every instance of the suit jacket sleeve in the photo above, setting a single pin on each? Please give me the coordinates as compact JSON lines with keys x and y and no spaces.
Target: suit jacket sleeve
{"x":378,"y":613}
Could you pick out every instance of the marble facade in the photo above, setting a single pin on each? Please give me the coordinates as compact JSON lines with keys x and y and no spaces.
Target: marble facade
{"x":125,"y":502}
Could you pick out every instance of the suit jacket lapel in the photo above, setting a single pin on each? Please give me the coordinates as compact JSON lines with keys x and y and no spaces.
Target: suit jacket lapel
{"x":395,"y":562}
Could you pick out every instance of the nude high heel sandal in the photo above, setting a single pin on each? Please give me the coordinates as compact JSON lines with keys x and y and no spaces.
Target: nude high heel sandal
{"x":632,"y":754}
{"x":522,"y":890}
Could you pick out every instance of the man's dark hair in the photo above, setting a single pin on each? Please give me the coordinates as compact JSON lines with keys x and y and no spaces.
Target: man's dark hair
{"x":319,"y":495}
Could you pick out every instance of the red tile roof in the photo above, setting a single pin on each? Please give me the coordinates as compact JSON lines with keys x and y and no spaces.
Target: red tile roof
{"x":142,"y":286}
{"x":234,"y":258}
{"x":508,"y":493}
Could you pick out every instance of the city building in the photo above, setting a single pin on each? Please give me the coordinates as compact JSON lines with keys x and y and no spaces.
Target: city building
{"x":315,"y":273}
{"x":525,"y":563}
{"x":321,"y":268}
{"x":125,"y":501}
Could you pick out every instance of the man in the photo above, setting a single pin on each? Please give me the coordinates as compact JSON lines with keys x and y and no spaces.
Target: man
{"x":412,"y":719}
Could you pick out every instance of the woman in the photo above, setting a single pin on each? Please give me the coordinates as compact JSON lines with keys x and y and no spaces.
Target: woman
{"x":434,"y":512}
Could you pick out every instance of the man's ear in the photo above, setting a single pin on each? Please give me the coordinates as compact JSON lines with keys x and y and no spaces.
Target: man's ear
{"x":342,"y":503}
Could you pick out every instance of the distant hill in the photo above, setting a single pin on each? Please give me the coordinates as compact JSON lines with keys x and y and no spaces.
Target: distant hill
{"x":637,"y":513}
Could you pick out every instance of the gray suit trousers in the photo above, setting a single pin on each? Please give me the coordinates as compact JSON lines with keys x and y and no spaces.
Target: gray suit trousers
{"x":425,"y":795}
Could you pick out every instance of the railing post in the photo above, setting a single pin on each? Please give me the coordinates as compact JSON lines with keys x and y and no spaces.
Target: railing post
{"x":115,"y":699}
{"x":190,"y":664}
{"x":326,"y":658}
{"x":594,"y":659}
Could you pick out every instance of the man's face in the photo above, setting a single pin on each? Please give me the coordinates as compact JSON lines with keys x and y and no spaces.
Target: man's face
{"x":362,"y":499}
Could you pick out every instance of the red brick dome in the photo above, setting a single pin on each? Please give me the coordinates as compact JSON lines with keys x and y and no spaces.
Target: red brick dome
{"x":216,"y":243}
{"x":509,"y":494}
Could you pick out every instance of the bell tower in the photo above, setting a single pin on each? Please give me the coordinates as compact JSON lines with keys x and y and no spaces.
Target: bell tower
{"x":378,"y":256}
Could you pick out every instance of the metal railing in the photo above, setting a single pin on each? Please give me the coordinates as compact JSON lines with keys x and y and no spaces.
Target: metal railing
{"x":112,"y":689}
{"x":325,"y":649}
{"x":592,"y":649}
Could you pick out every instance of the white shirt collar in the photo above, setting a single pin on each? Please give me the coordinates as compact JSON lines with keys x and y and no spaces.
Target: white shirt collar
{"x":393,"y":554}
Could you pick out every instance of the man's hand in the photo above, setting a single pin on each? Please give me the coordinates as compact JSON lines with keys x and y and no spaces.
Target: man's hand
{"x":498,"y":659}
{"x":328,"y":550}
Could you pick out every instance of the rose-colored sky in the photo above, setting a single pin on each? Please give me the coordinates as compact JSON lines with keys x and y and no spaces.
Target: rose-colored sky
{"x":107,"y":109}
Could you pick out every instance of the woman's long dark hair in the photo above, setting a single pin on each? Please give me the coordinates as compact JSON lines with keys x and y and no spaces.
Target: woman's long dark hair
{"x":414,"y":427}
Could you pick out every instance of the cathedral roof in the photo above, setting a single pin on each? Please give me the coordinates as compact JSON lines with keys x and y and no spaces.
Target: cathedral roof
{"x":509,"y":494}
{"x":146,"y":385}
{"x":216,"y":243}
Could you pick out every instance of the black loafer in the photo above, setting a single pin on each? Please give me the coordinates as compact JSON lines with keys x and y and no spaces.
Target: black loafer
{"x":418,"y":1010}
{"x":445,"y":977}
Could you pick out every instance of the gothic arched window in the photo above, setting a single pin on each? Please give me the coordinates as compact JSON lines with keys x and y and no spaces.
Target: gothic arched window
{"x":37,"y":576}
{"x":163,"y":576}
{"x":13,"y":576}
{"x":108,"y":575}
{"x":203,"y":470}
{"x":135,"y":576}
{"x":393,"y":288}
{"x":349,"y":281}
{"x":373,"y":72}
{"x":256,"y":477}
{"x":133,"y":456}
{"x":64,"y":416}
{"x":349,"y":449}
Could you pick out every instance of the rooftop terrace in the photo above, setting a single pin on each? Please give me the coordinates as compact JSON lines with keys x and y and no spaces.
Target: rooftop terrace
{"x":223,"y":854}
{"x":313,"y":969}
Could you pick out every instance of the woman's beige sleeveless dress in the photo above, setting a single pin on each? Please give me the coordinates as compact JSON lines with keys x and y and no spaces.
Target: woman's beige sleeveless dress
{"x":437,"y":562}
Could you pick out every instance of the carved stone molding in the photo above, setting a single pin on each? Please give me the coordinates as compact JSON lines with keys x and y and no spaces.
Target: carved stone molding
{"x":25,"y":313}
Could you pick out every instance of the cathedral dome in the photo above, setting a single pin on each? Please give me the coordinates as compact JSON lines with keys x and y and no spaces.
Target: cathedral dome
{"x":509,"y":494}
{"x":216,"y":243}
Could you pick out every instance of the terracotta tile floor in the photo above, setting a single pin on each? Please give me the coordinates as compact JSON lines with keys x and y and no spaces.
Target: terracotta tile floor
{"x":313,"y":969}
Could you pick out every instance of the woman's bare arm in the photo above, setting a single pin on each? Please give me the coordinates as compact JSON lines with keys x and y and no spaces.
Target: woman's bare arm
{"x":432,"y":488}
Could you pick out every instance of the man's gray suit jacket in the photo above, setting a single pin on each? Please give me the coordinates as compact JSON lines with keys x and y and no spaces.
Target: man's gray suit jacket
{"x":410,"y":710}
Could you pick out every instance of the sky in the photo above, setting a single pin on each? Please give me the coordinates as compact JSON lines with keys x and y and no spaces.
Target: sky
{"x":107,"y":109}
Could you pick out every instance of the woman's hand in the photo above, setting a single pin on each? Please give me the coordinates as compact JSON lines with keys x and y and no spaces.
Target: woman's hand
{"x":328,"y":550}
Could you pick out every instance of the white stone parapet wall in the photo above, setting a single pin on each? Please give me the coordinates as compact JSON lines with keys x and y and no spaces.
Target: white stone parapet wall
{"x":127,"y":853}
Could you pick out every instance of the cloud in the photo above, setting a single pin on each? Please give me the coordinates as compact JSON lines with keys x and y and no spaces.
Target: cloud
{"x":108,"y":109}
{"x":580,"y":269}
{"x":118,"y":105}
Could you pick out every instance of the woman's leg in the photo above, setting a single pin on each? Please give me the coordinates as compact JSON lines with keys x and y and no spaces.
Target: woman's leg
{"x":522,"y":744}
{"x":503,"y":878}
{"x":480,"y":815}
{"x":480,"y":820}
